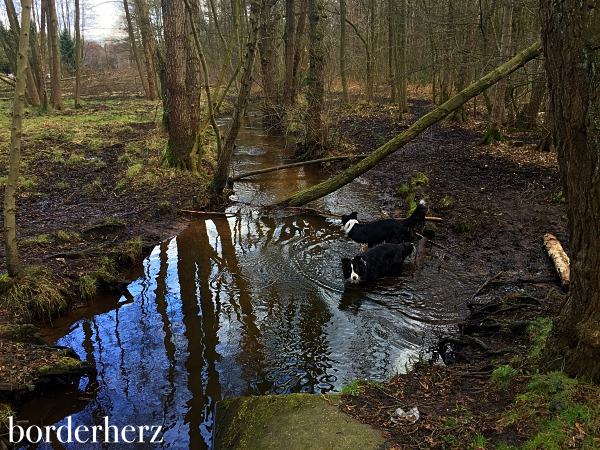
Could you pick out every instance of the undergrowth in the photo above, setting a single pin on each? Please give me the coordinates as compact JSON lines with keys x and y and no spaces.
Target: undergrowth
{"x":34,"y":295}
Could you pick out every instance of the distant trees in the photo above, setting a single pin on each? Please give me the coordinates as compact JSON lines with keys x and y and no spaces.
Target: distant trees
{"x":322,"y":53}
{"x":67,"y":49}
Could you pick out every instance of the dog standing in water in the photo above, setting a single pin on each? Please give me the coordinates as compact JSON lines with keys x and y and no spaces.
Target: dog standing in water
{"x":391,"y":231}
{"x":377,"y":262}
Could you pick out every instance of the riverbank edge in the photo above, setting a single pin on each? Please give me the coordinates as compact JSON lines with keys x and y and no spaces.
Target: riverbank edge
{"x":291,"y":422}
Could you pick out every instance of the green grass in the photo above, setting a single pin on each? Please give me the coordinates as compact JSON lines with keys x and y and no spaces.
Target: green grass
{"x":563,"y":410}
{"x":68,"y":236}
{"x":42,"y":239}
{"x":353,"y":388}
{"x":538,"y":336}
{"x":408,"y":191}
{"x":503,"y":375}
{"x":135,"y":170}
{"x":75,"y":159}
{"x":34,"y":295}
{"x":62,"y":185}
{"x":88,"y":286}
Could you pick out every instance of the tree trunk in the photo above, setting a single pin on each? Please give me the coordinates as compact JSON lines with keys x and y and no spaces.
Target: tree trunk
{"x":269,"y":64}
{"x":181,"y":140}
{"x":10,"y":226}
{"x":149,"y":46}
{"x":303,"y":197}
{"x":571,"y":42}
{"x":343,"y":74}
{"x":391,"y":49}
{"x":527,"y":118}
{"x":55,"y":50}
{"x":497,"y":115}
{"x":43,"y":47}
{"x":224,"y":158}
{"x":401,"y":57}
{"x":288,"y":39}
{"x":134,"y":49}
{"x":315,"y":123}
{"x":299,"y":48}
{"x":193,"y":74}
{"x":77,"y":57}
{"x":210,"y":115}
{"x":32,"y":89}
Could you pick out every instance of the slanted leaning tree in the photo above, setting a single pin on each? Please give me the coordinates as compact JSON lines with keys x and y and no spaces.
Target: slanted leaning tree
{"x":10,"y":225}
{"x":571,"y":46}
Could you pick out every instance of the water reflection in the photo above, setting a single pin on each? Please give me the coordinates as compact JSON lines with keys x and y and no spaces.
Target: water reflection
{"x":246,"y":304}
{"x":249,"y":305}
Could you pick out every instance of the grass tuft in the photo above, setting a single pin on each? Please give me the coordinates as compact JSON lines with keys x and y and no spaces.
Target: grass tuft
{"x":35,"y":295}
{"x":88,"y":286}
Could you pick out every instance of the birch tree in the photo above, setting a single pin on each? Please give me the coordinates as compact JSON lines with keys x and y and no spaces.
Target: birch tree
{"x":10,"y":227}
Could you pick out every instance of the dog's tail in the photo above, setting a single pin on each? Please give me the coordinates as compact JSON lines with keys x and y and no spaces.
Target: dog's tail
{"x":417,"y":217}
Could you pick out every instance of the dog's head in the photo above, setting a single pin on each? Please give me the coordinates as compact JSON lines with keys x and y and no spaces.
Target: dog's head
{"x":355,"y":269}
{"x":347,"y":217}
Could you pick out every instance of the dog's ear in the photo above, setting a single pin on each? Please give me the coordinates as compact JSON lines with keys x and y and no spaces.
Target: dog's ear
{"x":353,"y":215}
{"x":345,"y":261}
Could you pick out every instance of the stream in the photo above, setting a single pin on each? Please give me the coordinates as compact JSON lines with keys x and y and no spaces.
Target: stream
{"x":250,"y":302}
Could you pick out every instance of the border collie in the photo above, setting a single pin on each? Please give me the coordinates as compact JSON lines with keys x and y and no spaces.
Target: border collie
{"x":377,"y":262}
{"x":391,"y":231}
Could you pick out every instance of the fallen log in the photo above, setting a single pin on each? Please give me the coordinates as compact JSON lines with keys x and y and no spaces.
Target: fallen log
{"x":296,"y":164}
{"x":559,"y":258}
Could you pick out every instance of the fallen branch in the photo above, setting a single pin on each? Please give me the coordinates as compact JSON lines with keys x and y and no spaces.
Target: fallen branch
{"x":484,"y":285}
{"x":559,"y":258}
{"x":297,"y":164}
{"x":218,"y":213}
{"x":433,"y":219}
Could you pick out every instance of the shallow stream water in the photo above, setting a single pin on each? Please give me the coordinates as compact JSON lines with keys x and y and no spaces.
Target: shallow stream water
{"x":247,"y":303}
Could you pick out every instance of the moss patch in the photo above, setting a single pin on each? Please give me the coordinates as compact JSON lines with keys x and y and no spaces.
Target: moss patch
{"x":291,"y":422}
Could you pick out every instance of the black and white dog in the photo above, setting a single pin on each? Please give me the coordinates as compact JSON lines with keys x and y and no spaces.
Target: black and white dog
{"x":377,"y":262}
{"x":391,"y":231}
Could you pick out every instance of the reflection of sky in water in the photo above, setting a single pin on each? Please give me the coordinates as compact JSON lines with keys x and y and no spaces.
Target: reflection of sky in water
{"x":249,"y":305}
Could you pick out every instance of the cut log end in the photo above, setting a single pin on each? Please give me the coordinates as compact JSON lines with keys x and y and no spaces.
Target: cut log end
{"x":559,"y":258}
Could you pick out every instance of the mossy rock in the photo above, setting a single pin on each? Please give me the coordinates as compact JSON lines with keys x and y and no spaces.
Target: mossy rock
{"x":291,"y":422}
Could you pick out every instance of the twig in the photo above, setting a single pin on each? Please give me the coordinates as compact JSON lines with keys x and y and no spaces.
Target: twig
{"x":297,"y":164}
{"x":484,"y":285}
{"x":219,"y":213}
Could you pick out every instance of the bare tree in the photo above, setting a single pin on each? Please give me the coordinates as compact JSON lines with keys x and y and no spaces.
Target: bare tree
{"x":288,"y":38}
{"x":134,"y":48}
{"x":180,"y":134}
{"x":497,"y":114}
{"x":10,"y":227}
{"x":55,"y":52}
{"x":315,"y":123}
{"x":224,"y":158}
{"x":32,"y":89}
{"x":77,"y":56}
{"x":343,"y":37}
{"x":571,"y":42}
{"x":149,"y":46}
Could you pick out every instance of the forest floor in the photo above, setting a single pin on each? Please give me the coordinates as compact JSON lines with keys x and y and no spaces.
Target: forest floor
{"x":94,"y":196}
